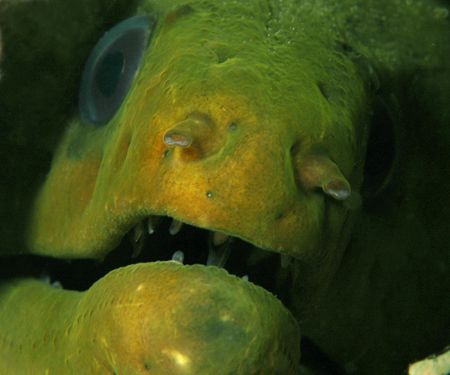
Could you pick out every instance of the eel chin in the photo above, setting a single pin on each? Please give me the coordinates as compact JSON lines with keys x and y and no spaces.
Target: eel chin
{"x":151,"y":317}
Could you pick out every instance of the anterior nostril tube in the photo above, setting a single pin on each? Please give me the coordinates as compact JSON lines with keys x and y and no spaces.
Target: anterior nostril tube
{"x":319,"y":171}
{"x":195,"y":137}
{"x":338,"y":189}
{"x":178,"y":137}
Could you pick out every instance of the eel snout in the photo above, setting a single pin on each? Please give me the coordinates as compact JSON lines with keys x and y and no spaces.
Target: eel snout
{"x":152,"y":318}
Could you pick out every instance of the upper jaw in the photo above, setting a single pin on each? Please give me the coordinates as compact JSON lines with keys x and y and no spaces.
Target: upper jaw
{"x":247,"y":189}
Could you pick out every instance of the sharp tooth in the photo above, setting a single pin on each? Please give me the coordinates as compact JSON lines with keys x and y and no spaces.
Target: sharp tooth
{"x":138,"y":239}
{"x":138,"y":231}
{"x":219,"y":238}
{"x":178,"y":256}
{"x":218,"y":255}
{"x":57,"y":284}
{"x":152,"y":222}
{"x":175,"y":227}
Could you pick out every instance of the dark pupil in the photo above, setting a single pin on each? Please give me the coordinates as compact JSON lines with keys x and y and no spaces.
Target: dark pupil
{"x":109,"y":72}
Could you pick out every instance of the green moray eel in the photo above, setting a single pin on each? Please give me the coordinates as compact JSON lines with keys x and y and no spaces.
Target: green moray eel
{"x":300,"y":144}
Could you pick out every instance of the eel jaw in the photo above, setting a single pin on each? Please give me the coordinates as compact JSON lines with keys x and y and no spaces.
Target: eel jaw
{"x":152,"y":317}
{"x":165,"y":317}
{"x":161,"y":318}
{"x":162,"y":238}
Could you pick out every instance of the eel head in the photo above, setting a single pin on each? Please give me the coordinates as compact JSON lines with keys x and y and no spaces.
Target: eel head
{"x":253,"y":141}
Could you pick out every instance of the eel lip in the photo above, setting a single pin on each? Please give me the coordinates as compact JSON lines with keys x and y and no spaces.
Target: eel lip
{"x":186,"y":319}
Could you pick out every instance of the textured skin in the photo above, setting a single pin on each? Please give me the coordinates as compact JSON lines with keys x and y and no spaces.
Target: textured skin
{"x":300,"y":81}
{"x":118,"y":173}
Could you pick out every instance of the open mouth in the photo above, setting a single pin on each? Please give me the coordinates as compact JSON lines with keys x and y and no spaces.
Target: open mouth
{"x":161,"y":238}
{"x":178,"y":309}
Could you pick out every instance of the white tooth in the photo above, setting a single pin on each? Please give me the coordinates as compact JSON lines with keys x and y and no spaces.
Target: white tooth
{"x":178,"y":256}
{"x":138,"y":239}
{"x":218,"y":255}
{"x":175,"y":227}
{"x":138,"y":232}
{"x":152,"y":221}
{"x":245,"y":277}
{"x":219,"y":238}
{"x":57,"y":284}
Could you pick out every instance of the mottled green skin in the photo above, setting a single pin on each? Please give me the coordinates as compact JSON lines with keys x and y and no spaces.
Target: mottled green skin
{"x":386,"y":304}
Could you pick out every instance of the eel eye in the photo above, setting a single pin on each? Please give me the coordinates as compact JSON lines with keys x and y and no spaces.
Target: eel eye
{"x":111,"y":68}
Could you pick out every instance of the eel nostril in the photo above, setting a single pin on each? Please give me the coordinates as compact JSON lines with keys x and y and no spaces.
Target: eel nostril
{"x":178,"y":137}
{"x":316,"y":170}
{"x":188,"y":133}
{"x":195,"y":137}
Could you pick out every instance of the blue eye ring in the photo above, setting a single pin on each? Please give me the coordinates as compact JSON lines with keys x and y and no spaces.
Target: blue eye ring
{"x":111,"y":67}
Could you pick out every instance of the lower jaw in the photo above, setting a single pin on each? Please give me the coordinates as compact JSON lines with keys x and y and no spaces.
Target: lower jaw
{"x":149,"y":318}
